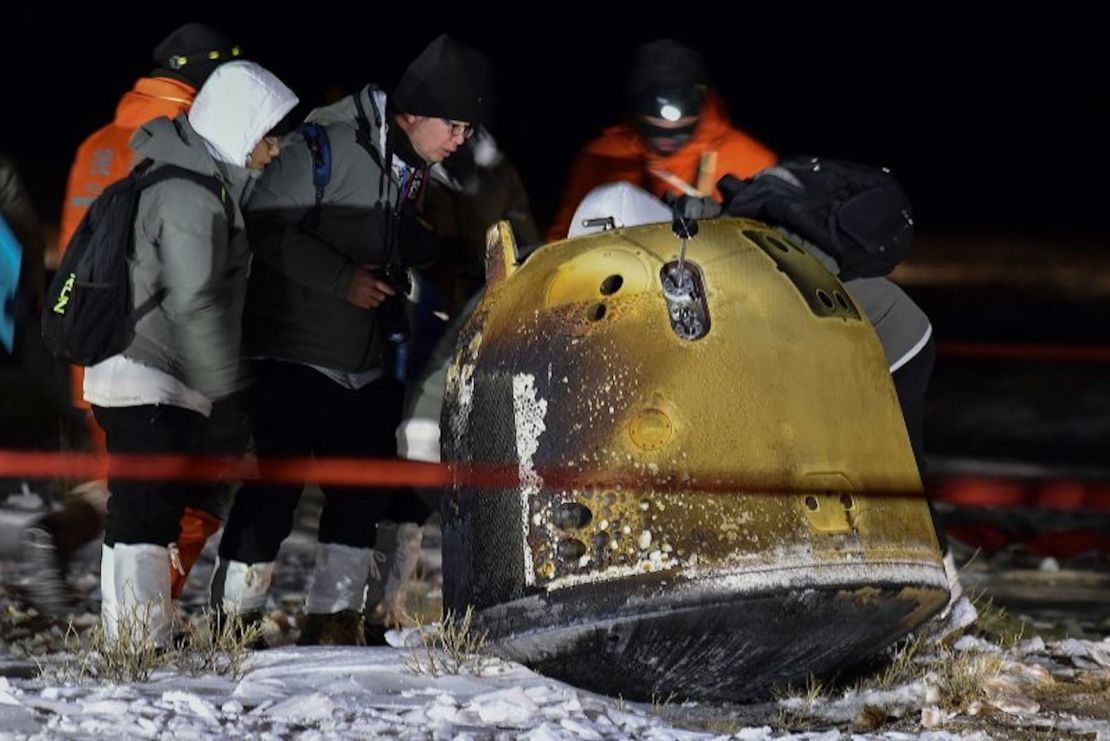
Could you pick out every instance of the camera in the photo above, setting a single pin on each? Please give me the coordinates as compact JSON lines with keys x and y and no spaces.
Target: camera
{"x":392,"y":314}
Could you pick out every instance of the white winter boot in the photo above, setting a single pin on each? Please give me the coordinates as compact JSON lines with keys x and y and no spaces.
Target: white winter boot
{"x":385,"y":599}
{"x":333,"y":607}
{"x":338,"y":578}
{"x":240,"y":587}
{"x":135,"y":580}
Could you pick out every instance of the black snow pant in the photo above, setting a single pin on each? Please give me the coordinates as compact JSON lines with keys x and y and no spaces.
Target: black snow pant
{"x":150,"y":511}
{"x":297,"y":412}
{"x":911,"y":381}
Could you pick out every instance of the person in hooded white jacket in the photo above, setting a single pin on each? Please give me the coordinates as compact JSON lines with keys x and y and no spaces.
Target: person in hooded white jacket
{"x":161,"y":393}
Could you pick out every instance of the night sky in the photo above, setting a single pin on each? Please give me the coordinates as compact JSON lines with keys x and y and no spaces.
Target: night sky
{"x":993,"y":125}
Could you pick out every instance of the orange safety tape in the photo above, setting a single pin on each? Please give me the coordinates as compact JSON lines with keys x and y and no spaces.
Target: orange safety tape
{"x":366,"y":472}
{"x":351,"y":471}
{"x":1049,"y":493}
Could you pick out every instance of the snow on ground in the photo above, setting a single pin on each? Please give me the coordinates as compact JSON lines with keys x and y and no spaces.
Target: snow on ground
{"x":346,"y":692}
{"x":318,"y":691}
{"x":1051,"y":688}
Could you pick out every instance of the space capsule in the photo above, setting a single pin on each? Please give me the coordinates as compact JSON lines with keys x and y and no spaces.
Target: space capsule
{"x":712,"y":487}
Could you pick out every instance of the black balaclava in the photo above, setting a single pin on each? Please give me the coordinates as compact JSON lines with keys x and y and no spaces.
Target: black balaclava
{"x":191,"y":53}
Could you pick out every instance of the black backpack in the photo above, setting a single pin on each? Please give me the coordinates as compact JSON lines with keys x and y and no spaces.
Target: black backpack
{"x":857,"y":214}
{"x":89,"y":316}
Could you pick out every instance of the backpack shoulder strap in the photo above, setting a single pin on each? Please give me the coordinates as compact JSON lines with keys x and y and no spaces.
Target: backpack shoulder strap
{"x":316,"y":137}
{"x":210,"y":182}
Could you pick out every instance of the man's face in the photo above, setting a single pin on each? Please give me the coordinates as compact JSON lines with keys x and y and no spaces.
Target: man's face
{"x":434,"y":139}
{"x":666,"y":137}
{"x":263,"y":153}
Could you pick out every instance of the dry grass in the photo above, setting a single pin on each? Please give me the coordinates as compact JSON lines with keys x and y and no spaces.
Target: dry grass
{"x":799,"y":706}
{"x":724,"y":725}
{"x":816,"y":690}
{"x":919,"y":656}
{"x":903,"y":664}
{"x":452,"y":646}
{"x":959,"y":678}
{"x":873,"y":718}
{"x":813,"y":691}
{"x":423,"y":604}
{"x":996,"y":624}
{"x":131,"y":656}
{"x":659,"y":702}
{"x":956,"y":678}
{"x":202,"y":646}
{"x":218,"y":644}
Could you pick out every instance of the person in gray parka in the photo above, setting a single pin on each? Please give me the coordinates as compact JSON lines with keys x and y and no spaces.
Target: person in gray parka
{"x":190,"y":266}
{"x":337,"y":210}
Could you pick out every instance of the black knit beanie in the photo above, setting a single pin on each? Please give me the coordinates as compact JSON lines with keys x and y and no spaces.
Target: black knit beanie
{"x":448,"y":80}
{"x":191,"y":53}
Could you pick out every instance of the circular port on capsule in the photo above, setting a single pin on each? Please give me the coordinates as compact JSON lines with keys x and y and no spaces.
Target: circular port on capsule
{"x":572,"y":515}
{"x":570,"y":549}
{"x":611,"y":285}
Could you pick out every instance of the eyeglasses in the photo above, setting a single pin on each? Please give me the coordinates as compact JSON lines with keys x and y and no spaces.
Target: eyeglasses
{"x":459,"y":128}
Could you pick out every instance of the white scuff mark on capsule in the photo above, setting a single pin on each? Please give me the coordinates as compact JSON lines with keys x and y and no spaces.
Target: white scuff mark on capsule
{"x":796,"y":567}
{"x":528,"y":417}
{"x":460,"y":384}
{"x":642,"y":566}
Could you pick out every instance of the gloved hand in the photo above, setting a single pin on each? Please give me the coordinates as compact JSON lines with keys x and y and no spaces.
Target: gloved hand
{"x":686,"y":210}
{"x":694,"y":207}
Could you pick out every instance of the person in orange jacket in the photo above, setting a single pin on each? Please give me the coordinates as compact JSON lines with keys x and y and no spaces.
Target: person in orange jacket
{"x":678,"y":139}
{"x":182,"y":63}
